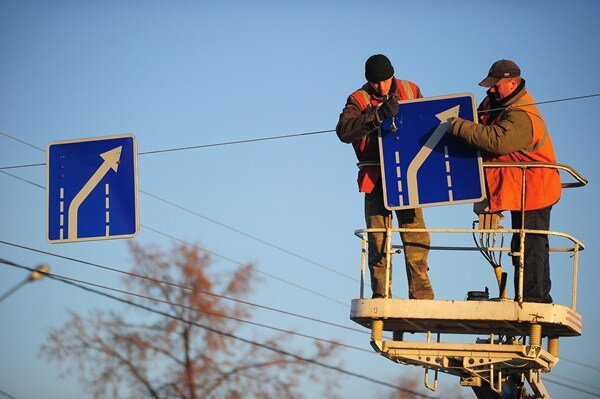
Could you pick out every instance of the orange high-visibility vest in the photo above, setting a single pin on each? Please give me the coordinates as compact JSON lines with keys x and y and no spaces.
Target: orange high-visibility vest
{"x":542,"y":185}
{"x":367,"y":149}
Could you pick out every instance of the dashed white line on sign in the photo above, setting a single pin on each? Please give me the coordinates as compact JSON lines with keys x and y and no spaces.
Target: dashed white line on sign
{"x":449,"y":176}
{"x":62,"y":215}
{"x":107,"y":202}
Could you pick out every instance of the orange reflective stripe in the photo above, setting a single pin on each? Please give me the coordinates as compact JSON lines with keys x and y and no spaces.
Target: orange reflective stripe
{"x":408,"y":92}
{"x":363,"y":99}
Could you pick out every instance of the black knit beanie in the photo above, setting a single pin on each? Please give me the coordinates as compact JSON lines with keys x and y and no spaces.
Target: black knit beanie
{"x":378,"y":68}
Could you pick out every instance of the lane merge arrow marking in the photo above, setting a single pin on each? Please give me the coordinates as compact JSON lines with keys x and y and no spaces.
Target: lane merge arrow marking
{"x":425,"y":151}
{"x":111,"y":161}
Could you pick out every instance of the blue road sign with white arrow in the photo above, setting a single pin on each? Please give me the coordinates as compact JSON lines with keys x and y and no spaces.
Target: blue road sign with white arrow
{"x":421,"y":164}
{"x":91,"y":189}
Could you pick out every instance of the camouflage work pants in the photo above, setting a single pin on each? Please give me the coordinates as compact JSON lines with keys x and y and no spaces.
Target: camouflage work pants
{"x":416,"y":247}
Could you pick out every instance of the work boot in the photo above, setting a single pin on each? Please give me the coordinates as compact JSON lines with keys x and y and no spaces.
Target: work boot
{"x":421,"y":294}
{"x":419,"y":286}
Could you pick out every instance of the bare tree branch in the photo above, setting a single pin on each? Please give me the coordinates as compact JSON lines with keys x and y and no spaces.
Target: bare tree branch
{"x":164,"y":358}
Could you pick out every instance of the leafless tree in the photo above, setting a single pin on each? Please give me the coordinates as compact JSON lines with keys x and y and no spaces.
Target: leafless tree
{"x":138,"y":354}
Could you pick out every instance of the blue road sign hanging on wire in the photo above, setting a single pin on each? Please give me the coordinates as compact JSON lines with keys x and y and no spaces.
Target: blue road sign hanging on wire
{"x":91,"y":189}
{"x":421,"y":164}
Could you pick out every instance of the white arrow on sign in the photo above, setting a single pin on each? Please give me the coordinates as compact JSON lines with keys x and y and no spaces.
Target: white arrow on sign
{"x":419,"y":159}
{"x":111,"y":161}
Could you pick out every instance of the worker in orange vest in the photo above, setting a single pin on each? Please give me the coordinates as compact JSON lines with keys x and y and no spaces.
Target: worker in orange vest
{"x":512,"y":129}
{"x":359,"y":122}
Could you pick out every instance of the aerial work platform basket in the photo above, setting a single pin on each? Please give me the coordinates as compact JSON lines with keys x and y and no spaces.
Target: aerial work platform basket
{"x":511,"y":350}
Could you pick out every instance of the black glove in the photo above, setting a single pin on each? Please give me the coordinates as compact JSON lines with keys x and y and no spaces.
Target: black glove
{"x":388,"y":108}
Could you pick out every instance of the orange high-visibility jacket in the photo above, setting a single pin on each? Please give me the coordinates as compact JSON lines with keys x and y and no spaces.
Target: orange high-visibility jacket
{"x":542,"y":185}
{"x":367,"y":148}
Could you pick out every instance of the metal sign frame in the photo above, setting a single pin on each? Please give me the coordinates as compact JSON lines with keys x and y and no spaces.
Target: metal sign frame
{"x":88,"y":170}
{"x":428,"y":142}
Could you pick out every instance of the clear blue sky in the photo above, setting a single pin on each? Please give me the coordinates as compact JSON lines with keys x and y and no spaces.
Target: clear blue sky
{"x":185,"y":73}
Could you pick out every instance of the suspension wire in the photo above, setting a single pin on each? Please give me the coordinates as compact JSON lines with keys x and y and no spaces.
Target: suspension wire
{"x":147,"y":297}
{"x":7,"y":395}
{"x":576,"y":381}
{"x":580,"y":364}
{"x":170,"y":283}
{"x":241,"y":264}
{"x":194,"y":147}
{"x":213,"y":253}
{"x":541,"y":103}
{"x":22,"y":141}
{"x":23,"y":180}
{"x":250,"y":236}
{"x":571,"y":387}
{"x":230,"y":335}
{"x":21,"y":166}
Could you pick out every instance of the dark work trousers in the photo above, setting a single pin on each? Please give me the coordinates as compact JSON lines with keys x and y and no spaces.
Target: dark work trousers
{"x":536,"y":273}
{"x":416,"y":247}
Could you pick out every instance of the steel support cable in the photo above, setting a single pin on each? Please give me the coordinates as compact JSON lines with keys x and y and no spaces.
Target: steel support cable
{"x":22,"y":141}
{"x":156,"y":280}
{"x":285,"y":136}
{"x":571,"y":387}
{"x":23,"y":180}
{"x":147,"y":297}
{"x":194,"y":147}
{"x":576,"y":381}
{"x":21,"y":166}
{"x":7,"y":395}
{"x":249,"y":236}
{"x":543,"y":102}
{"x":213,"y":253}
{"x":242,"y":264}
{"x":580,"y":363}
{"x":230,"y":335}
{"x":210,"y":220}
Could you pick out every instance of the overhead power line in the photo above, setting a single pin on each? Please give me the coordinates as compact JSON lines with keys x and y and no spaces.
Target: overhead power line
{"x":242,"y":264}
{"x":230,"y":335}
{"x":571,"y":387}
{"x":23,"y":180}
{"x":21,"y":166}
{"x":193,"y":147}
{"x":250,"y":236}
{"x":171,"y":303}
{"x":544,"y":102}
{"x":285,"y":136}
{"x":580,"y":364}
{"x":22,"y":141}
{"x":196,"y":147}
{"x":156,"y":280}
{"x":576,"y":381}
{"x":6,"y":395}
